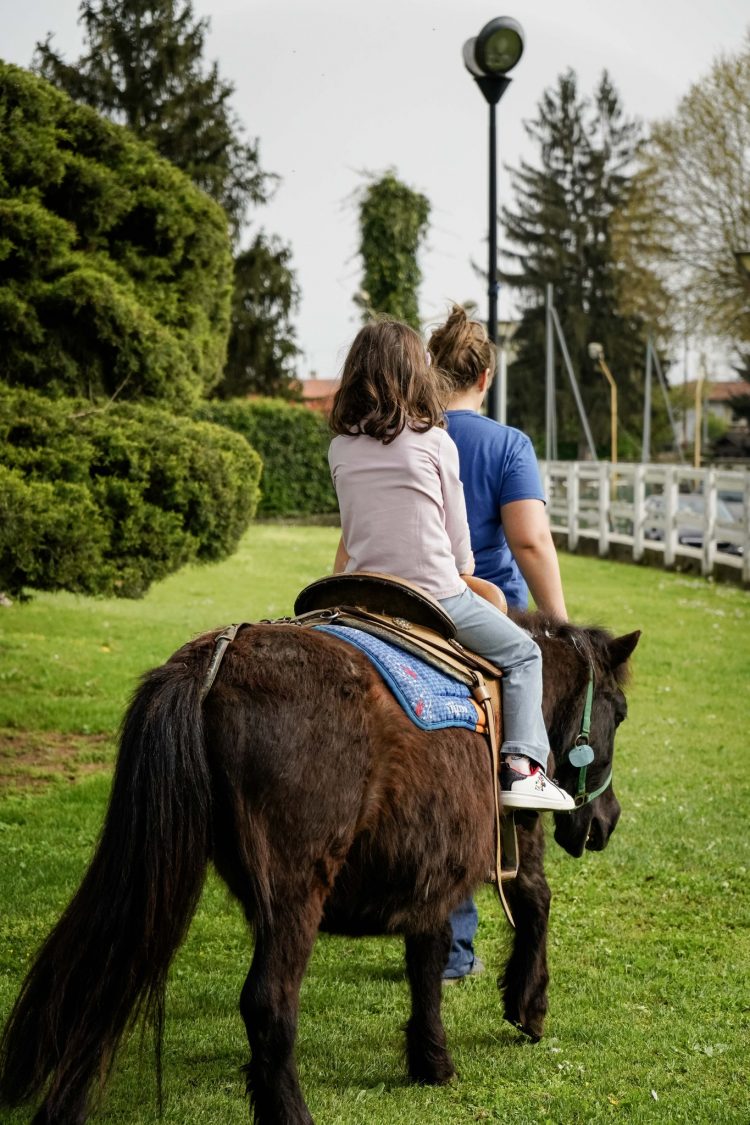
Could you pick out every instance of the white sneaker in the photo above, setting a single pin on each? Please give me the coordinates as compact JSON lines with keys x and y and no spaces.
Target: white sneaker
{"x":532,"y":791}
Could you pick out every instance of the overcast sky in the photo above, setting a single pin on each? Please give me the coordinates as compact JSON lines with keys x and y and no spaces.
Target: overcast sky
{"x":337,"y":88}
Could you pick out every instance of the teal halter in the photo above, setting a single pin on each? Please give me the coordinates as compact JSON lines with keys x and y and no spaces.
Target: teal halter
{"x":581,"y":755}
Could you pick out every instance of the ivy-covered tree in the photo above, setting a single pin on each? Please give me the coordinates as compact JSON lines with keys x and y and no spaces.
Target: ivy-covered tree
{"x":393,"y":221}
{"x":262,"y":348}
{"x":563,"y":226}
{"x":143,"y":68}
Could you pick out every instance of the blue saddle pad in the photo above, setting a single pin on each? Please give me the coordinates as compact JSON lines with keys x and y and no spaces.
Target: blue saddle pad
{"x":429,"y":697}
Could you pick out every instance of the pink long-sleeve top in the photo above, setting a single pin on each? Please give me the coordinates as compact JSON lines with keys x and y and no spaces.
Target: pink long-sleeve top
{"x":402,"y":508}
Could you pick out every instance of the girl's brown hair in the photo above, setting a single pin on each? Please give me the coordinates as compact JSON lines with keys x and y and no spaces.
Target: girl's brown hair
{"x":387,"y":383}
{"x":462,"y":349}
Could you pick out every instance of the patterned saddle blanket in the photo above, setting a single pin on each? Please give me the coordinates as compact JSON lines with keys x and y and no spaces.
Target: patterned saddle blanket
{"x":431,"y":698}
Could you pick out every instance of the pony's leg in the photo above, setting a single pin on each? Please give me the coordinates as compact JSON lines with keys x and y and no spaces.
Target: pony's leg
{"x":426,"y":1049}
{"x":269,"y":1005}
{"x":524,"y":983}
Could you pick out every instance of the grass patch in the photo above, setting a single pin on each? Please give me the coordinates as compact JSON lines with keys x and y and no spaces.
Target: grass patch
{"x":649,"y":941}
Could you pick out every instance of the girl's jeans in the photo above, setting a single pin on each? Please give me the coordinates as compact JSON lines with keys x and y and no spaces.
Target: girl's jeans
{"x":484,"y":629}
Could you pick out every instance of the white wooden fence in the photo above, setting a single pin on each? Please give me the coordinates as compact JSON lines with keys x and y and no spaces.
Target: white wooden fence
{"x":684,"y":518}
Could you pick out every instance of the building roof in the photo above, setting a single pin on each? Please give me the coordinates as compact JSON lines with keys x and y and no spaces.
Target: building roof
{"x":313,"y":389}
{"x":723,"y":391}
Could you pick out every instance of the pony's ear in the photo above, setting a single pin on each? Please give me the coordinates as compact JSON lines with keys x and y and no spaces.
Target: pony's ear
{"x":621,"y":648}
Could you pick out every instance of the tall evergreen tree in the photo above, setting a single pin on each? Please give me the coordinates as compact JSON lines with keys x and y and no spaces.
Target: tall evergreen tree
{"x":262,"y":349}
{"x":562,"y":226}
{"x":144,"y":69}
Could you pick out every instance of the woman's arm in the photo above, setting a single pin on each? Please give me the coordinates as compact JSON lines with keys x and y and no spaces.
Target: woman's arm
{"x":530,"y":541}
{"x":342,"y":558}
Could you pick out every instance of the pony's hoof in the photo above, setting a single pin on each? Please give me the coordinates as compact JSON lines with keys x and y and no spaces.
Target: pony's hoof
{"x":433,"y":1071}
{"x":532,"y":1029}
{"x":434,"y":1079}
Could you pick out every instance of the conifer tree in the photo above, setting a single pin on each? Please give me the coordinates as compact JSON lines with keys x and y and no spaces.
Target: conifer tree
{"x":562,"y":226}
{"x":262,"y":349}
{"x":144,"y":69}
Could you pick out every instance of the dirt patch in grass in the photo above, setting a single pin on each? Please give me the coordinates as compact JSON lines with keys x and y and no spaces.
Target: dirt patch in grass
{"x":34,"y":759}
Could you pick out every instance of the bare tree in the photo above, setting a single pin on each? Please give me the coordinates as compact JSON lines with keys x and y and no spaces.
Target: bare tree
{"x":691,"y":212}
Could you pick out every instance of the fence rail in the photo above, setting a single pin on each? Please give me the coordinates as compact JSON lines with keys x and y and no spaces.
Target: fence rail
{"x":683,"y":517}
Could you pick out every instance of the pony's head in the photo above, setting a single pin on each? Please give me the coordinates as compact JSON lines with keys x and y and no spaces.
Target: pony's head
{"x":585,"y":673}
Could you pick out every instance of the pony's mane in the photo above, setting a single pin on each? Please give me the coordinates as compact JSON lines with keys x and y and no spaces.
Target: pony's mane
{"x":591,"y":641}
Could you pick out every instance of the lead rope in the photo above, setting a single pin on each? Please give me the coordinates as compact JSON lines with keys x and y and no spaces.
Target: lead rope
{"x":482,"y":695}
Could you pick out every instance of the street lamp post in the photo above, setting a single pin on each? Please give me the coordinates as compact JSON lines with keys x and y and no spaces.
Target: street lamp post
{"x":596,"y":352}
{"x":488,"y":58}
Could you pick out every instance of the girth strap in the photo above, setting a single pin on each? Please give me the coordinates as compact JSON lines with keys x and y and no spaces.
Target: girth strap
{"x":482,"y":696}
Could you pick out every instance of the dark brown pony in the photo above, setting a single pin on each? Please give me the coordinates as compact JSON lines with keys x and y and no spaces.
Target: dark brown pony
{"x":322,"y":807}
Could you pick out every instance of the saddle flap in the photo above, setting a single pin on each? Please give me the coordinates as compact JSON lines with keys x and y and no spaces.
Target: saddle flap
{"x":376,"y":593}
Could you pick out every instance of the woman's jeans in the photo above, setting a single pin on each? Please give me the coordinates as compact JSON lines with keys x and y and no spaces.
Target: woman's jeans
{"x":464,"y":921}
{"x":484,"y":629}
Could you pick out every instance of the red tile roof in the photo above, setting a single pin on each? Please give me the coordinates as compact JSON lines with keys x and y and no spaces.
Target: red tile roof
{"x":723,"y":391}
{"x":318,"y":388}
{"x":318,"y":393}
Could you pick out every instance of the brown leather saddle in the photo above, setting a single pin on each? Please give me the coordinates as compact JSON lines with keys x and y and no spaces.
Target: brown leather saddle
{"x":392,"y":607}
{"x":405,"y":615}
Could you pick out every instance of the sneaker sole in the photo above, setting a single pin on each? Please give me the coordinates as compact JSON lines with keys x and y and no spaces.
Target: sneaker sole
{"x":524,"y":801}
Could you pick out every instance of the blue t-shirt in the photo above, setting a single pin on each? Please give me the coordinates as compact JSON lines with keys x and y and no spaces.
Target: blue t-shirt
{"x":497,"y":465}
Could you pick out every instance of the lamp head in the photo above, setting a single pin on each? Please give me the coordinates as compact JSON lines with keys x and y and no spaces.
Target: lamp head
{"x":491,"y":54}
{"x":470,"y":60}
{"x":499,"y":45}
{"x":596,"y":352}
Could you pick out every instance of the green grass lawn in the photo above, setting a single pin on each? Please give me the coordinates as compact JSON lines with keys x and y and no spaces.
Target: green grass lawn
{"x":649,"y":941}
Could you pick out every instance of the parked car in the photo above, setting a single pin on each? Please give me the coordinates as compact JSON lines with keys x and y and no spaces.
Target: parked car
{"x":689,"y":531}
{"x":735,"y":502}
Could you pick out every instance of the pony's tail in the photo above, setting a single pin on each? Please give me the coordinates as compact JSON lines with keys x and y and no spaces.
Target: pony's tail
{"x":106,"y":961}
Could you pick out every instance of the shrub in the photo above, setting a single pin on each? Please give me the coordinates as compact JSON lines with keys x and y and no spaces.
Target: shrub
{"x":110,"y":501}
{"x":115,"y":270}
{"x":293,"y":444}
{"x":52,"y":535}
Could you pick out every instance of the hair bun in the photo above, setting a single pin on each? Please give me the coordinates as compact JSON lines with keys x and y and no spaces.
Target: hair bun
{"x":461,"y":348}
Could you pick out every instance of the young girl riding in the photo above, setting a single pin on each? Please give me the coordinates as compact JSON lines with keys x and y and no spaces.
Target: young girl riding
{"x":395,"y":471}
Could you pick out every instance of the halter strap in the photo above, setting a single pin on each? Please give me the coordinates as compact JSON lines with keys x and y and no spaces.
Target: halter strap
{"x":581,"y":754}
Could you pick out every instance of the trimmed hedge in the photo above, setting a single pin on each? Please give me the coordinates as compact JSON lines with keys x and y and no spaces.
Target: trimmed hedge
{"x":52,"y":536}
{"x":108,"y":502}
{"x":115,"y":270}
{"x":293,"y":443}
